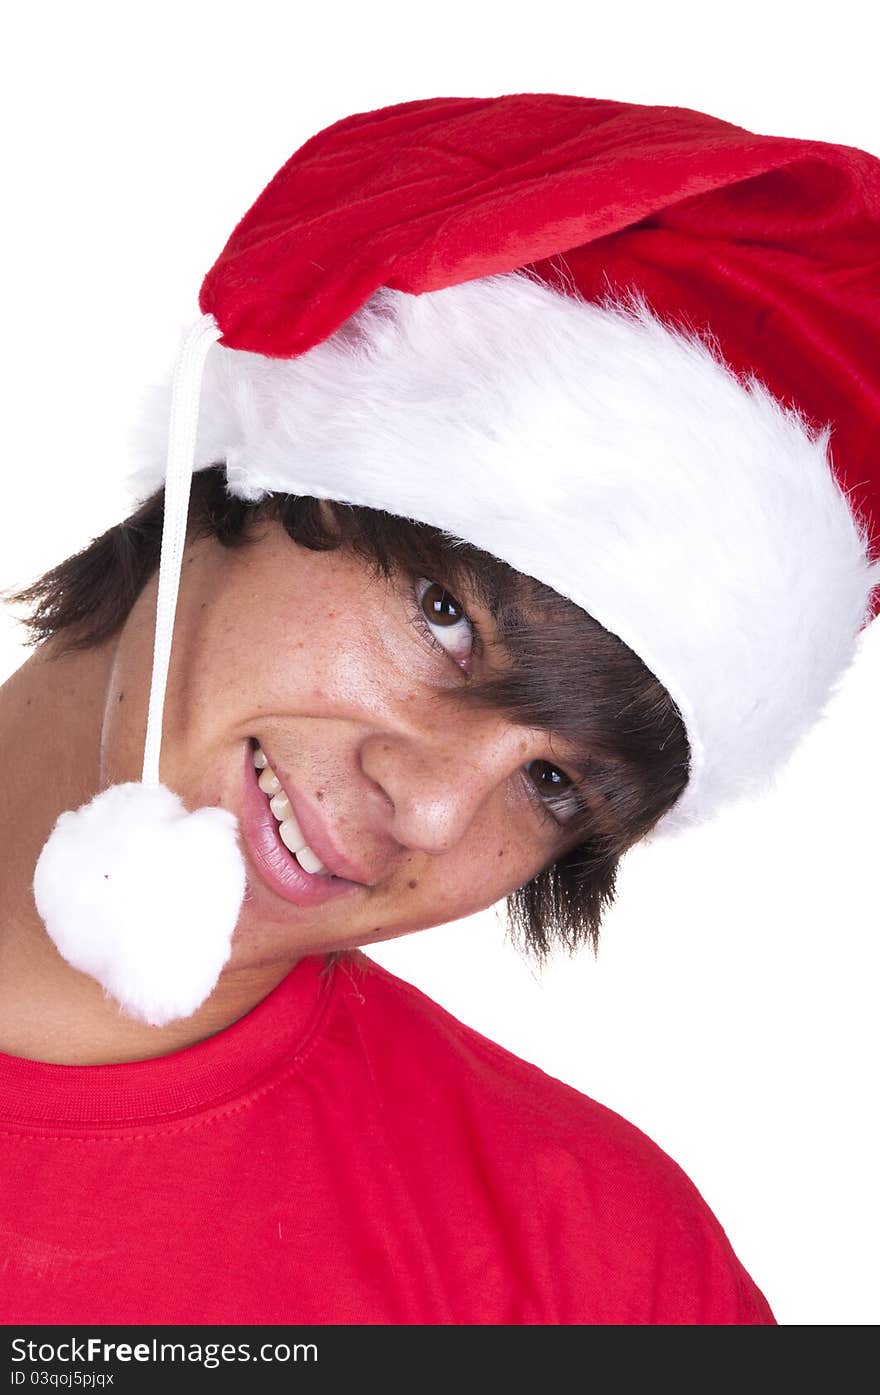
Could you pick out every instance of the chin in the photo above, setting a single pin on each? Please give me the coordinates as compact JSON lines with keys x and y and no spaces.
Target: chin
{"x":260,"y":942}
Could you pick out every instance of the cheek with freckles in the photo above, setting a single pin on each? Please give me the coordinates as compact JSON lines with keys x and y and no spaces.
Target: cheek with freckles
{"x":482,"y":870}
{"x":327,"y":656}
{"x":264,"y":648}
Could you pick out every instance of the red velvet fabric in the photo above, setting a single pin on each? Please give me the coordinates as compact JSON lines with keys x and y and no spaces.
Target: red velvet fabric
{"x":770,"y":243}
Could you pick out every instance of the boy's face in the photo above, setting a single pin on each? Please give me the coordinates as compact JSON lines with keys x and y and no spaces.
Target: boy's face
{"x":425,"y":802}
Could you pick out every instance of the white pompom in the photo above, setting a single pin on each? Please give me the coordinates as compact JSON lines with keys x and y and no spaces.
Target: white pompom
{"x":144,"y":897}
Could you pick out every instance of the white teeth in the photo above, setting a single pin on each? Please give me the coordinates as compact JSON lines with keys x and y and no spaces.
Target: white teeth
{"x":309,"y":861}
{"x":268,"y":781}
{"x":289,"y":830}
{"x":280,"y":806}
{"x":291,"y":835}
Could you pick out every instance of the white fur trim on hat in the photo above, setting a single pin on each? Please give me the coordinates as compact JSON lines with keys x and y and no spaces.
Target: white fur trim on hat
{"x":612,"y":457}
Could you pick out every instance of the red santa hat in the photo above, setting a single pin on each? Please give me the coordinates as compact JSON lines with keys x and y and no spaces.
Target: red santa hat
{"x":630,"y":350}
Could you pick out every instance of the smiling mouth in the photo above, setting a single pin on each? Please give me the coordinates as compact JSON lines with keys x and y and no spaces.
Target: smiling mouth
{"x":273,"y":863}
{"x":289,"y":830}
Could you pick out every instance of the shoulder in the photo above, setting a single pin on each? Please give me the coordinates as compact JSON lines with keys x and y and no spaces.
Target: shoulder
{"x":425,"y":1047}
{"x":589,"y":1188}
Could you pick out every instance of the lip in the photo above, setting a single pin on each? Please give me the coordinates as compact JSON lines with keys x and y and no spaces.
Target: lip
{"x":277,"y":866}
{"x":315,"y":833}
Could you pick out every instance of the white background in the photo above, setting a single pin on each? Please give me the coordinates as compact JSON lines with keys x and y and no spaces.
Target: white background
{"x":731,"y":1013}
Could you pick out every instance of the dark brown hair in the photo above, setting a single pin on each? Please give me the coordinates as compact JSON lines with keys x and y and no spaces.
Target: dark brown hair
{"x":566,"y":673}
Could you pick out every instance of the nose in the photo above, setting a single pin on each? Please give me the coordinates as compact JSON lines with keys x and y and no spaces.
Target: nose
{"x":436,"y":779}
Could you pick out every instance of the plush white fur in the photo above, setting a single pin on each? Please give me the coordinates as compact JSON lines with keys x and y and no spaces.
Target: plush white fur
{"x":144,"y":897}
{"x":615,"y":459}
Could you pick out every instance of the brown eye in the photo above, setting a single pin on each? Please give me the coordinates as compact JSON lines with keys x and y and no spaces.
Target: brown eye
{"x":439,"y":607}
{"x":548,"y":779}
{"x":445,"y":622}
{"x":555,"y":788}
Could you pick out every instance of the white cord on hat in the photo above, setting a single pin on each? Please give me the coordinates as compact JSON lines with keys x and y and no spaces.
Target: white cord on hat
{"x":185,"y":394}
{"x":135,"y":889}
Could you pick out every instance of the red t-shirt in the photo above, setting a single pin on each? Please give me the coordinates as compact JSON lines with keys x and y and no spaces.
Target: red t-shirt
{"x":348,"y":1152}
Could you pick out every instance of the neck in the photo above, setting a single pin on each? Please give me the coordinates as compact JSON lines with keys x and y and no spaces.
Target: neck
{"x":52,"y":714}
